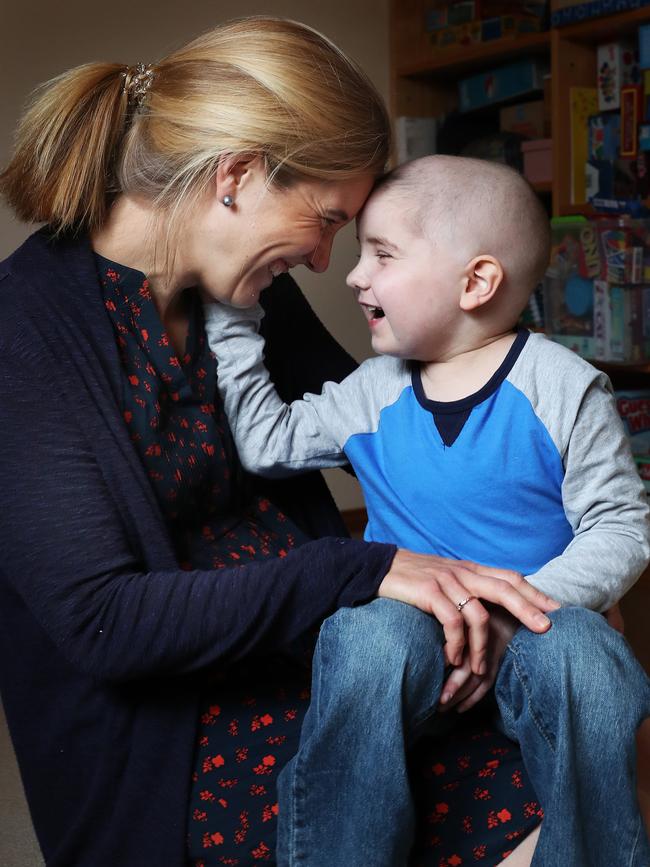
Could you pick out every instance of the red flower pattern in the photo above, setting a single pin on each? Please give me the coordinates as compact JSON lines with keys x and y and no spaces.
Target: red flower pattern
{"x":176,"y":422}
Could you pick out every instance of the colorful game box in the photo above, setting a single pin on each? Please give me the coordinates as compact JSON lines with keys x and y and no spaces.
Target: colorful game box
{"x":597,"y":288}
{"x":634,"y":409}
{"x":617,"y":66}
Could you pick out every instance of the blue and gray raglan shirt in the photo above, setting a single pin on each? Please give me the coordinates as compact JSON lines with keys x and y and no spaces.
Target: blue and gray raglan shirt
{"x":533,"y":472}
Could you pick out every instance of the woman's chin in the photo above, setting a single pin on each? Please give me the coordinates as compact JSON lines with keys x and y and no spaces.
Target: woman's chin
{"x":245,"y":302}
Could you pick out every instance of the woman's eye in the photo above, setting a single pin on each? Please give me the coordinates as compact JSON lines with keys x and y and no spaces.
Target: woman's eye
{"x":382,"y":255}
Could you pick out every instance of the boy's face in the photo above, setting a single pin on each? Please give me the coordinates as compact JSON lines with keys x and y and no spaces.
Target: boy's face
{"x":408,"y":286}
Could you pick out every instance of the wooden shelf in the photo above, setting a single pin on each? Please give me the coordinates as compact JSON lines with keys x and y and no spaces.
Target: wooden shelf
{"x":424,"y":79}
{"x":577,"y":210}
{"x":619,"y":370}
{"x":453,"y":62}
{"x":606,"y":28}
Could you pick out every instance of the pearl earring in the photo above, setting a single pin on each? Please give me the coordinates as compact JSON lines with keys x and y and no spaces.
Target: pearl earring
{"x":228,"y":201}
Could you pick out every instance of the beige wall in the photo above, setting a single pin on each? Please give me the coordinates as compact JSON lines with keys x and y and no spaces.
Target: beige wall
{"x":40,"y":39}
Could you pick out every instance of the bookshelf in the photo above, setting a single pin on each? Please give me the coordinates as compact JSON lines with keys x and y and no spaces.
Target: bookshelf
{"x":423,"y":82}
{"x":423,"y":79}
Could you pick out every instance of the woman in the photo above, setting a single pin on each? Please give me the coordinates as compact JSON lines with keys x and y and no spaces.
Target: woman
{"x":149,"y":586}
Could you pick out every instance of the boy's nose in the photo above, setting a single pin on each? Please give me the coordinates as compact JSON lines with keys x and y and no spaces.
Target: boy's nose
{"x":356,"y":278}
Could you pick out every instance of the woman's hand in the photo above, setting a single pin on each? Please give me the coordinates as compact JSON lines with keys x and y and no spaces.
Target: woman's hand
{"x":463,"y":689}
{"x":438,"y":586}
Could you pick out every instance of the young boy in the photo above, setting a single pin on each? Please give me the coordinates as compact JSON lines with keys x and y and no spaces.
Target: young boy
{"x":471,"y":439}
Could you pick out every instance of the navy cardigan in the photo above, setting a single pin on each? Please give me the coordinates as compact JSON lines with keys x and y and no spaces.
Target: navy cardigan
{"x":104,"y":642}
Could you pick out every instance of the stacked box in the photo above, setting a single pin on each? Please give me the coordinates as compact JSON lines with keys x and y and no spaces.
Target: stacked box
{"x":634,"y":408}
{"x":583,"y":103}
{"x":497,"y":85}
{"x":565,"y":12}
{"x":415,"y":137}
{"x":525,"y":118}
{"x":538,"y":163}
{"x":617,"y":66}
{"x":462,"y":22}
{"x":597,"y":288}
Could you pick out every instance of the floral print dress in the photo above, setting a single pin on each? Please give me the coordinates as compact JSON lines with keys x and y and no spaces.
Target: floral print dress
{"x":475,"y":802}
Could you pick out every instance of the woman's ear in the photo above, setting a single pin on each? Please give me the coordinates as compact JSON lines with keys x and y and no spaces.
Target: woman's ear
{"x":234,"y":173}
{"x":484,"y":276}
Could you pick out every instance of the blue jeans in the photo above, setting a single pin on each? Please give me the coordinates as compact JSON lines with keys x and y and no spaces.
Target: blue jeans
{"x":572,"y":697}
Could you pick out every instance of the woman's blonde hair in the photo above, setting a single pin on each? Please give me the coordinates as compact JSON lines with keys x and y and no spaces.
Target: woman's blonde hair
{"x":256,"y":86}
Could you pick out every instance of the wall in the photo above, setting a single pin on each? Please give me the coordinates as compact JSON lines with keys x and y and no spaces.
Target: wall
{"x":42,"y":39}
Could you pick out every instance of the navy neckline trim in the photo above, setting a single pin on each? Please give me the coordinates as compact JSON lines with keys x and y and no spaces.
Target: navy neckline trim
{"x":130,"y":279}
{"x":466,"y":404}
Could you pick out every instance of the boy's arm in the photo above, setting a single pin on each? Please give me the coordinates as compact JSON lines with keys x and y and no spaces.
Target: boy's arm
{"x":606,"y":505}
{"x":294,"y":333}
{"x":273,"y":438}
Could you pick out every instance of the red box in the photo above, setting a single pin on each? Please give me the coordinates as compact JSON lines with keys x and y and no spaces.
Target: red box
{"x":631,"y":116}
{"x":537,"y":160}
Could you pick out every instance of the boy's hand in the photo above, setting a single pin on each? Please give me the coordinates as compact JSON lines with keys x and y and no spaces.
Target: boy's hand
{"x":463,"y":689}
{"x":615,"y":618}
{"x":450,"y":590}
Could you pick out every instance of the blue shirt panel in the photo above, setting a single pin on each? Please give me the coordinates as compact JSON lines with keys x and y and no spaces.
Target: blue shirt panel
{"x":495,"y":496}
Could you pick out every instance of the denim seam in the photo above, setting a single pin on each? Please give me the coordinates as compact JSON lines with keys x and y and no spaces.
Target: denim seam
{"x":298,"y":791}
{"x":635,"y":845}
{"x":425,"y":715}
{"x":430,"y":711}
{"x":519,"y":671}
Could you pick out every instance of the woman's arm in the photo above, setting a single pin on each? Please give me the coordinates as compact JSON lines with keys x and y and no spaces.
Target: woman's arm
{"x":70,"y":551}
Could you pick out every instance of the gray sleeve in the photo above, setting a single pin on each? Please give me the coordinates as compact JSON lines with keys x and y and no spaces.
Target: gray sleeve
{"x":604,"y":499}
{"x":273,"y":438}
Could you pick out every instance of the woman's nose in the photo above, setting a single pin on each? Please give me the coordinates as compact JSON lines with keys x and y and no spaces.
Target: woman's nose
{"x":320,"y":257}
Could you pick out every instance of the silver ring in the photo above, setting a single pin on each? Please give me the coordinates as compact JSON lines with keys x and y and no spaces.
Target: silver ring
{"x":463,"y":603}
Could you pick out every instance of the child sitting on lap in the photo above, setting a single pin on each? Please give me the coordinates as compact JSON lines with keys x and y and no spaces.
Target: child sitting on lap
{"x":471,"y":438}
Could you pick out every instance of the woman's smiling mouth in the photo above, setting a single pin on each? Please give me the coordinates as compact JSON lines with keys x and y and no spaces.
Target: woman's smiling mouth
{"x":279,"y":266}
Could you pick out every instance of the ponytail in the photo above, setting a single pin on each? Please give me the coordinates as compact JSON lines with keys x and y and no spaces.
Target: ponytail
{"x":62,"y":170}
{"x":259,"y":86}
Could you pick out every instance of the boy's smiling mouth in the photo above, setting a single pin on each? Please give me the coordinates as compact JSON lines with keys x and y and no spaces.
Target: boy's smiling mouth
{"x":372,"y":312}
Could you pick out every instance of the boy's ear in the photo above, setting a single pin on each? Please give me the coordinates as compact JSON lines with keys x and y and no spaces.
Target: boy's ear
{"x":483,"y":277}
{"x":233,"y":172}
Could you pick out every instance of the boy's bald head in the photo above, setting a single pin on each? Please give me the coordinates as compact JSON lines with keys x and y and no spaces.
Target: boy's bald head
{"x":476,"y":207}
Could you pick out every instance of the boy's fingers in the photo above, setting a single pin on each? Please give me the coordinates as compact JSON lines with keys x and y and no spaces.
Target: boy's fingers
{"x":457,"y":679}
{"x":475,"y":696}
